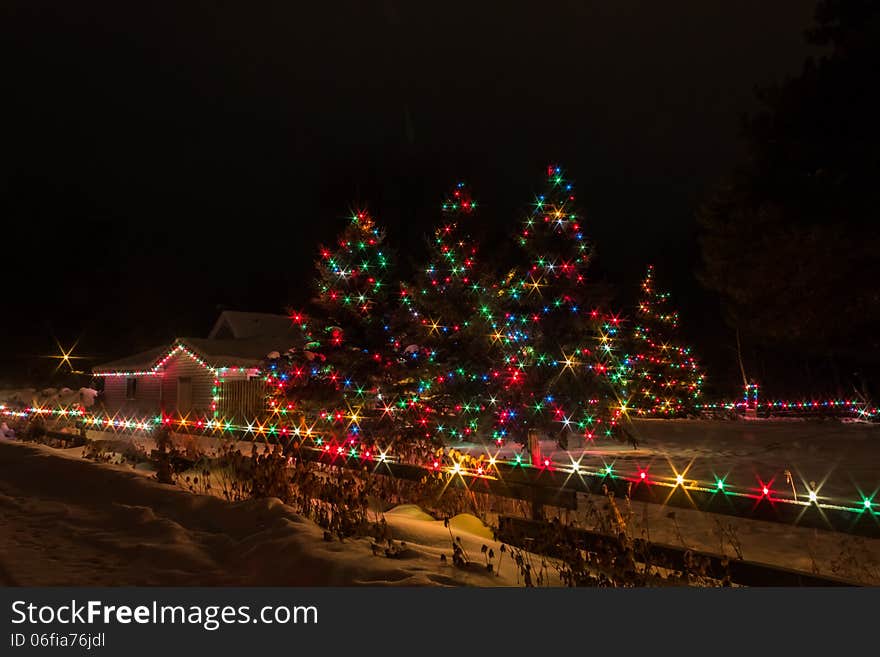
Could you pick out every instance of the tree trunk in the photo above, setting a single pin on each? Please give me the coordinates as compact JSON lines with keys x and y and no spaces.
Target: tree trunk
{"x":739,"y":356}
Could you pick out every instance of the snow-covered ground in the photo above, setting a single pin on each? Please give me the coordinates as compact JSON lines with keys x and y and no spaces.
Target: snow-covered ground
{"x":843,"y":459}
{"x":68,"y":521}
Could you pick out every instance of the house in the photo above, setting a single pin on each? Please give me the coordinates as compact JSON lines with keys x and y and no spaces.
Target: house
{"x":217,"y":377}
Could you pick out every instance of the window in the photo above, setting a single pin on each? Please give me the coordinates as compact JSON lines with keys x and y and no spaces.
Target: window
{"x":131,"y":388}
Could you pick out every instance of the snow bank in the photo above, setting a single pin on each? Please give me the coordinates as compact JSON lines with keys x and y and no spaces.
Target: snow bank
{"x":469,"y":524}
{"x":409,"y":511}
{"x":49,"y":397}
{"x":67,"y":521}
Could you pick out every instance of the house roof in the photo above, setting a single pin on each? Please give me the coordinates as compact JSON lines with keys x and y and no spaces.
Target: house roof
{"x":136,"y":363}
{"x":253,"y":336}
{"x":240,"y":325}
{"x":248,"y":352}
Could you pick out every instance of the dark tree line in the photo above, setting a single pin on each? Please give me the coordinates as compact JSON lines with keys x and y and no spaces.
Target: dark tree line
{"x":790,"y":239}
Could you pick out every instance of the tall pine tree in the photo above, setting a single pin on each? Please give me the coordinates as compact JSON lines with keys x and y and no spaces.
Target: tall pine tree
{"x":446,"y":300}
{"x":561,"y":372}
{"x":334,"y":384}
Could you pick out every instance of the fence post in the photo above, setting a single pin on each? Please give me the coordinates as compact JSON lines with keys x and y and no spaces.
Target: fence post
{"x":534,"y":444}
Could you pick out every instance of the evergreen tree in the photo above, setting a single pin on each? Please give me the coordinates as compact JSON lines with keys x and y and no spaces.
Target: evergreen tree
{"x":334,"y":384}
{"x":560,"y":373}
{"x":667,"y":378}
{"x":789,"y":238}
{"x":445,"y":300}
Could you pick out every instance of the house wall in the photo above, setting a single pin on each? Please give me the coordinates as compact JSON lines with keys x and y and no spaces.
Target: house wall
{"x":242,"y":394}
{"x":158,"y":394}
{"x":181,"y":365}
{"x":146,"y":398}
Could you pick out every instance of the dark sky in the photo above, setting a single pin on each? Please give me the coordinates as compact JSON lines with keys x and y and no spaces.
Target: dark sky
{"x":160,"y":160}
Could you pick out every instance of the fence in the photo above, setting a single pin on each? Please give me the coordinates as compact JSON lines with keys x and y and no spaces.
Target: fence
{"x":243,"y":399}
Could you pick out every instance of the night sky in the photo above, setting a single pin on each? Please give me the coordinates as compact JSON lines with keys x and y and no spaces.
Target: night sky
{"x":161,"y":162}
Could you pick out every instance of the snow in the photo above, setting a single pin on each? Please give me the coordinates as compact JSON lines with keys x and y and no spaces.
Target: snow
{"x":87,"y":397}
{"x":408,"y":511}
{"x":67,"y":521}
{"x":49,"y":397}
{"x":469,"y":524}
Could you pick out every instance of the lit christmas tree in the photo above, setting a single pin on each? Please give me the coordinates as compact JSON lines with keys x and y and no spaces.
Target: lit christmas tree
{"x":445,"y":301}
{"x":667,"y":378}
{"x":332,"y":386}
{"x":560,"y":373}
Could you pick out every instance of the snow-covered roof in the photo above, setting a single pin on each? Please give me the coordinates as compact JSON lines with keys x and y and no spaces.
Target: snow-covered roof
{"x":248,"y":352}
{"x":238,"y":339}
{"x":135,"y":363}
{"x":233,"y":324}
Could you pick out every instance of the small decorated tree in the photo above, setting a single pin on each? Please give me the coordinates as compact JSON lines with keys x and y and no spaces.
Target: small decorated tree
{"x":667,"y":378}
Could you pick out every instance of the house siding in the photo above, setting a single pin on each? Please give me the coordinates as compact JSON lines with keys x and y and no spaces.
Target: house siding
{"x":240,"y":398}
{"x":181,"y":365}
{"x":241,"y":395}
{"x":146,"y":399}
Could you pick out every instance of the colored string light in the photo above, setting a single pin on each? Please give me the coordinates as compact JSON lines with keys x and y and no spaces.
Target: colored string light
{"x":308,"y":437}
{"x":156,"y":369}
{"x":849,"y":406}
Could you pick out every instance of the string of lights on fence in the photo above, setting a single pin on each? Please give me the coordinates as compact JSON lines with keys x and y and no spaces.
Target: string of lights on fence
{"x":487,"y":467}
